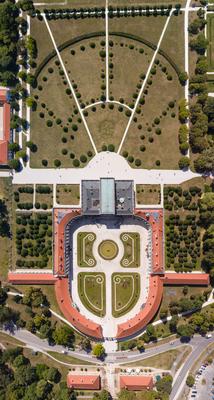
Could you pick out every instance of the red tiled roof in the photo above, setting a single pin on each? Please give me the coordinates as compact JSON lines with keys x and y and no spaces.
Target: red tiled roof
{"x":155,"y":218}
{"x":90,"y":382}
{"x":138,"y":382}
{"x":59,"y":245}
{"x":6,"y":127}
{"x":80,"y":322}
{"x":186,"y":279}
{"x":138,"y":322}
{"x":31,"y":278}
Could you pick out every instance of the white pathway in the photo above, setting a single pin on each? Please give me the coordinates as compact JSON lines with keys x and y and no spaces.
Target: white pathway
{"x":104,"y":164}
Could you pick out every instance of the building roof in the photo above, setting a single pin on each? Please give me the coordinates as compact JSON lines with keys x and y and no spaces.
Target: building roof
{"x":173,"y":278}
{"x":137,"y":382}
{"x":137,"y":323}
{"x":107,"y":195}
{"x":24,"y":278}
{"x":80,"y":322}
{"x":90,"y":382}
{"x":4,"y":126}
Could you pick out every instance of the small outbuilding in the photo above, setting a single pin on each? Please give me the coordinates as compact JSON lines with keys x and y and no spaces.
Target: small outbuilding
{"x":139,"y":382}
{"x":87,"y":382}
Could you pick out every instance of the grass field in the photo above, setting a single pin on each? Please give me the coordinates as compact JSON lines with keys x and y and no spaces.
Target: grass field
{"x":68,"y":359}
{"x":92,"y":292}
{"x":125,"y":292}
{"x":153,"y":132}
{"x":85,"y":257}
{"x":68,"y":194}
{"x":44,"y":198}
{"x":210,"y":37}
{"x":131,"y":243}
{"x":163,"y":360}
{"x":148,"y":194}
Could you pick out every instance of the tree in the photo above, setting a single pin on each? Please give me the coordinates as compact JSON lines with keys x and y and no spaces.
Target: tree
{"x":183,"y":76}
{"x":164,"y":385}
{"x":52,"y":374}
{"x":43,"y":388}
{"x":190,"y":380}
{"x":14,"y":147}
{"x":199,"y":44}
{"x":34,"y":297}
{"x":32,"y":146}
{"x":124,"y":394}
{"x":3,"y":291}
{"x":103,"y":395}
{"x":184,"y":162}
{"x":31,"y":103}
{"x":26,"y":5}
{"x":99,"y":350}
{"x":86,"y":344}
{"x":201,"y":65}
{"x":185,"y":331}
{"x":64,"y":336}
{"x":20,"y":360}
{"x":205,"y":162}
{"x":15,"y":164}
{"x":31,"y":46}
{"x":183,"y":111}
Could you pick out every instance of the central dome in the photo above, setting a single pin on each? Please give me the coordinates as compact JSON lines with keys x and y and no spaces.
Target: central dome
{"x":108,"y":249}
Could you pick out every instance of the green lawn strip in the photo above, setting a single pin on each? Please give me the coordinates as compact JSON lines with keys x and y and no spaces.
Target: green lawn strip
{"x":163,"y":360}
{"x":68,"y":194}
{"x":8,"y":340}
{"x":148,"y":194}
{"x":210,"y":37}
{"x":33,"y":245}
{"x":85,"y":242}
{"x":68,"y":359}
{"x":152,"y":140}
{"x":175,"y":30}
{"x":131,"y":243}
{"x":125,"y":292}
{"x":92,"y":292}
{"x":44,"y":199}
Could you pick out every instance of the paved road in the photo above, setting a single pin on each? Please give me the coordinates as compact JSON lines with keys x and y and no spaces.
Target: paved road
{"x":34,"y":342}
{"x":180,"y":380}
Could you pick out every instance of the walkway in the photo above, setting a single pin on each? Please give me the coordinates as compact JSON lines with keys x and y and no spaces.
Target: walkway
{"x":104,"y":164}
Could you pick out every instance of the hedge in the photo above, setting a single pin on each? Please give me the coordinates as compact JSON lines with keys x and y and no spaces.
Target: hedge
{"x":91,"y":35}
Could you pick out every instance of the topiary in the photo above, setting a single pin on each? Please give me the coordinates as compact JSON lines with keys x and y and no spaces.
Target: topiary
{"x":68,"y":91}
{"x":49,"y":123}
{"x":158,"y":131}
{"x":57,"y":163}
{"x":72,"y":155}
{"x":125,"y":154}
{"x":76,"y":162}
{"x":58,"y":121}
{"x":137,"y":162}
{"x":64,"y":151}
{"x":104,"y":147}
{"x":45,"y":163}
{"x":157,"y":162}
{"x":74,"y":127}
{"x":111,"y":147}
{"x":130,"y":159}
{"x":89,"y":153}
{"x":157,"y":121}
{"x":142,"y":148}
{"x":83,"y":158}
{"x":64,"y":139}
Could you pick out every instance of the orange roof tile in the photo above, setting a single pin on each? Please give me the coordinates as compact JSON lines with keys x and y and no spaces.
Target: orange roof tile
{"x":31,"y":278}
{"x":186,"y":278}
{"x":138,"y":382}
{"x":90,"y":382}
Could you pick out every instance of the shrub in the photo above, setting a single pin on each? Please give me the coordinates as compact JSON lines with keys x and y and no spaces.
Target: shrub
{"x":142,"y":148}
{"x":58,"y":121}
{"x":104,"y":147}
{"x":184,"y":162}
{"x":64,"y":139}
{"x":50,"y":70}
{"x":158,"y":131}
{"x":89,"y":153}
{"x":76,"y":162}
{"x":130,"y":159}
{"x":44,"y":163}
{"x":74,"y":127}
{"x":68,"y":91}
{"x":111,"y":147}
{"x":137,"y":162}
{"x":57,"y":163}
{"x":41,"y":114}
{"x":157,"y":162}
{"x":64,"y":151}
{"x":83,"y":158}
{"x":157,"y":121}
{"x":102,"y":53}
{"x":125,"y":154}
{"x":72,"y":155}
{"x":49,"y":123}
{"x":65,"y":129}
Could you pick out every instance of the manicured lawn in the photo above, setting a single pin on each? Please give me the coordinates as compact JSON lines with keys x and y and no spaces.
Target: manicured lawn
{"x":92,"y":292}
{"x":153,"y":134}
{"x":148,"y":28}
{"x":66,"y":139}
{"x":85,"y":257}
{"x":107,"y":125}
{"x":125,"y":292}
{"x":68,"y":194}
{"x":163,"y":360}
{"x":38,"y":30}
{"x":44,"y":199}
{"x":21,"y":198}
{"x":131,"y":243}
{"x":173,"y":47}
{"x":33,"y":245}
{"x":210,"y":37}
{"x":148,"y":194}
{"x":68,"y":359}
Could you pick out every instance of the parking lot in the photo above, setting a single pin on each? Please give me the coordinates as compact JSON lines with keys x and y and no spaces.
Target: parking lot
{"x":203,"y":388}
